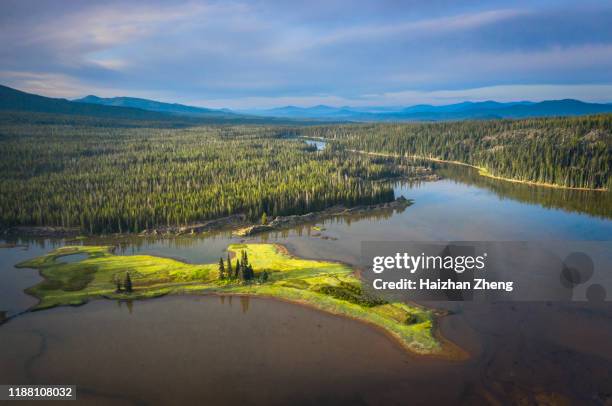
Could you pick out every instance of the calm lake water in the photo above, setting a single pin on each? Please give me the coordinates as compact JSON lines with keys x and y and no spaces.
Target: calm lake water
{"x":255,"y":351}
{"x":319,"y":144}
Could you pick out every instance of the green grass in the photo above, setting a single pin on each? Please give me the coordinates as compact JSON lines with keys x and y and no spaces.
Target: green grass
{"x":325,"y":285}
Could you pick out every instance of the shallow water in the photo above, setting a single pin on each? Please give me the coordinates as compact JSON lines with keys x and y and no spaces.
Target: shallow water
{"x":208,"y":350}
{"x":265,"y":352}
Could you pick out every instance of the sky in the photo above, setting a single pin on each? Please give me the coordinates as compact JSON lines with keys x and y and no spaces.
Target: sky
{"x":262,"y":54}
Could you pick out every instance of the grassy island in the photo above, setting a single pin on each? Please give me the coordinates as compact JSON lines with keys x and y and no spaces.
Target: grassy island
{"x":74,"y":275}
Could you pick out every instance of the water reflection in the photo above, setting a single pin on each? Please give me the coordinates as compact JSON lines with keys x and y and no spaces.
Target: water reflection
{"x":244,"y":304}
{"x":594,"y":203}
{"x":129,"y":305}
{"x":319,"y":145}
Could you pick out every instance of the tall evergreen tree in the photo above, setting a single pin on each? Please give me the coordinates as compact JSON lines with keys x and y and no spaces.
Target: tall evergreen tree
{"x":128,"y":283}
{"x":238,"y":272}
{"x":245,"y":258}
{"x":221,"y":269}
{"x":249,"y":273}
{"x":230,"y":272}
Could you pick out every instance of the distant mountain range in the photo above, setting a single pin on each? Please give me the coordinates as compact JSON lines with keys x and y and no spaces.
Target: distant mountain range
{"x":18,"y":101}
{"x":425,"y":112}
{"x":152,"y":105}
{"x":121,"y":108}
{"x":143,"y":109}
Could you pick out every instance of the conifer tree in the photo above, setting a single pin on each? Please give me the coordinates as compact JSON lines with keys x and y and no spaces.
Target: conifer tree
{"x":249,"y":272}
{"x":245,"y":258}
{"x":243,"y":271}
{"x":238,"y":272}
{"x":230,"y":272}
{"x":221,"y":269}
{"x":128,"y":283}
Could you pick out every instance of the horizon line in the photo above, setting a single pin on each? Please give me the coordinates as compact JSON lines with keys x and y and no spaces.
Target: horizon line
{"x":439,"y":103}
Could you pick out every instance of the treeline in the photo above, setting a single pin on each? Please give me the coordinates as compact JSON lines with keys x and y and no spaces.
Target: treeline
{"x":131,"y":179}
{"x":572,"y":151}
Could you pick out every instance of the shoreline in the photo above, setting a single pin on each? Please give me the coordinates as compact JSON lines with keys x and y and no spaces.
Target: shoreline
{"x":287,"y":222}
{"x":449,"y":350}
{"x":236,"y":223}
{"x":481,"y":171}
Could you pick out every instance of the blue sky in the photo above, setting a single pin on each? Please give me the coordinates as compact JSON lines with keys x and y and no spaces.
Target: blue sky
{"x":247,"y":54}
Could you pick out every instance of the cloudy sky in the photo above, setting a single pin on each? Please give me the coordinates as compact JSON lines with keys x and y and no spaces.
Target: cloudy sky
{"x":245,"y":54}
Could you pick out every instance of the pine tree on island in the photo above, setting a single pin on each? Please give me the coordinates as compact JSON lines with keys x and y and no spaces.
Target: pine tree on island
{"x":221,"y":269}
{"x":249,"y":273}
{"x":243,"y":270}
{"x":245,"y":259}
{"x":238,"y":269}
{"x":128,"y":283}
{"x":118,"y":283}
{"x":246,"y":271}
{"x":230,"y":272}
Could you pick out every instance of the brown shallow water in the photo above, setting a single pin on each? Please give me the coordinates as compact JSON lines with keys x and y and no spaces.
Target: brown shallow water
{"x":240,"y":350}
{"x":202,"y":350}
{"x":216,"y":350}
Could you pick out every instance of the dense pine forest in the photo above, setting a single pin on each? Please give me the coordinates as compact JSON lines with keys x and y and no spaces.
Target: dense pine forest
{"x":104,"y":179}
{"x":572,"y":151}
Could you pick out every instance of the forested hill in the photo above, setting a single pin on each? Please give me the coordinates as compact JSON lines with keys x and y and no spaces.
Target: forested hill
{"x":17,"y":101}
{"x":152,"y":105}
{"x":18,"y":106}
{"x":571,"y":152}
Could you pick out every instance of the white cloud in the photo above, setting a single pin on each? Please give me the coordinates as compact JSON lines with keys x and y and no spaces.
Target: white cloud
{"x":110,"y":64}
{"x":73,"y":37}
{"x":423,"y":27}
{"x":299,"y":40}
{"x":65,"y":86}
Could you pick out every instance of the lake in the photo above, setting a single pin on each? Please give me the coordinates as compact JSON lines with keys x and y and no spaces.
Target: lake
{"x":320,"y":145}
{"x":255,"y":351}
